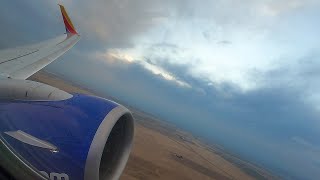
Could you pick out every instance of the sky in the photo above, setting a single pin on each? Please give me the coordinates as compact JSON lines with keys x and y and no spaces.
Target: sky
{"x":240,"y":74}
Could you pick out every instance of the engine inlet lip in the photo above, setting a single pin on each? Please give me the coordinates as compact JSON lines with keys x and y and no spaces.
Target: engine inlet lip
{"x":96,"y":149}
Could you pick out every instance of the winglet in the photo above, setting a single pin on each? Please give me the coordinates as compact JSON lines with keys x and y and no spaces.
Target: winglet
{"x":67,"y":21}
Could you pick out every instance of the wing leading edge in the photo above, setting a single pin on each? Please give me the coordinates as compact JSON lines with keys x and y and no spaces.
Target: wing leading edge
{"x":21,"y":63}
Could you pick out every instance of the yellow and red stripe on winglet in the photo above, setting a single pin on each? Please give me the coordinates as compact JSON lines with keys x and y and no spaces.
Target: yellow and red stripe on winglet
{"x":67,"y":21}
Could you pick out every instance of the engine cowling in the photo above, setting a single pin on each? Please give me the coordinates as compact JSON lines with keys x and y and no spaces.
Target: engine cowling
{"x":73,"y":137}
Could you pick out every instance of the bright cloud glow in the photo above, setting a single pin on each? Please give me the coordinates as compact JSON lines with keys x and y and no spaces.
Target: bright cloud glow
{"x":131,"y":56}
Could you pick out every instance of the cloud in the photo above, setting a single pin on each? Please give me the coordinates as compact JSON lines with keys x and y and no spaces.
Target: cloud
{"x":19,"y":24}
{"x":122,"y":55}
{"x":275,"y":8}
{"x":224,"y":42}
{"x":114,"y":23}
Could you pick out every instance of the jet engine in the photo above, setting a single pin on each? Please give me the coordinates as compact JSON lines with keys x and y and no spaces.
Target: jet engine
{"x":47,"y":133}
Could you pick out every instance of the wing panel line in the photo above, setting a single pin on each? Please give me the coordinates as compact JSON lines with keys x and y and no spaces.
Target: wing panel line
{"x":19,"y":56}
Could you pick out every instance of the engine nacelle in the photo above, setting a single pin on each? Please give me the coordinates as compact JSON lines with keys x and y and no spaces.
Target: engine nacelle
{"x":68,"y":137}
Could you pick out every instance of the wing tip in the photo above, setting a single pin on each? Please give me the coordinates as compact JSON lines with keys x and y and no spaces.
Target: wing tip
{"x":67,"y":21}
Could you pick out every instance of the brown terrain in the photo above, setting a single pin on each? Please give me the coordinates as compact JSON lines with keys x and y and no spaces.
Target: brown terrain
{"x":162,"y":151}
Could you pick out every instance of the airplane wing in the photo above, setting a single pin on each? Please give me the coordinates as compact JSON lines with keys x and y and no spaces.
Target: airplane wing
{"x":21,"y":63}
